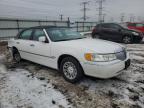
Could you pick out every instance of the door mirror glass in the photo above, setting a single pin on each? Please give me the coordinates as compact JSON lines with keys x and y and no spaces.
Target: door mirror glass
{"x":42,"y":39}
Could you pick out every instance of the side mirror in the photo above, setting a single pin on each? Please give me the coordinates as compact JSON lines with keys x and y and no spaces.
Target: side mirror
{"x":42,"y":39}
{"x":82,"y":34}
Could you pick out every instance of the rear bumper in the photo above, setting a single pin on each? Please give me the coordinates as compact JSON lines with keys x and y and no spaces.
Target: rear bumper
{"x":105,"y":69}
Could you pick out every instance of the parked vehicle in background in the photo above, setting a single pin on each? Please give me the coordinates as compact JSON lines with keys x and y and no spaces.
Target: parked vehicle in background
{"x":116,"y":32}
{"x":136,"y":26}
{"x":69,"y":52}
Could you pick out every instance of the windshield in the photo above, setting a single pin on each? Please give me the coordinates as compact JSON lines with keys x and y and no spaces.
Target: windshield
{"x":63,"y":34}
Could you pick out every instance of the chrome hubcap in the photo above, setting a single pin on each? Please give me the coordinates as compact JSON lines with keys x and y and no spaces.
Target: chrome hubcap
{"x":69,"y":70}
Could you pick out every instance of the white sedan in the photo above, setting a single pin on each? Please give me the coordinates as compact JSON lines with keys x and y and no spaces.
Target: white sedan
{"x":69,"y":52}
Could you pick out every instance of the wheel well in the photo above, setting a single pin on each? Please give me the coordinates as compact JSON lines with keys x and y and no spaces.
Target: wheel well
{"x":64,"y":56}
{"x":127,"y":35}
{"x":14,"y":50}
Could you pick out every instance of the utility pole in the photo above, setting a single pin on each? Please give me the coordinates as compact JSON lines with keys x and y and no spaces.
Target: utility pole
{"x":100,"y":9}
{"x":68,"y":22}
{"x":104,"y":15}
{"x":122,"y":17}
{"x":61,"y":17}
{"x":132,"y":18}
{"x":84,"y":10}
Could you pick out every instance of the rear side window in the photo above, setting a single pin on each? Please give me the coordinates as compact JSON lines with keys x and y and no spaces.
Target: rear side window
{"x":38,"y":33}
{"x":105,"y":26}
{"x":26,"y":34}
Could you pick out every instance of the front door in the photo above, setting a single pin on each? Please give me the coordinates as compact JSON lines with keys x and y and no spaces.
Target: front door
{"x":41,"y":51}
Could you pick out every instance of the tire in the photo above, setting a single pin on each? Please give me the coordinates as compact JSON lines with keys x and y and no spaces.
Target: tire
{"x":127,"y":39}
{"x":96,"y":36}
{"x":71,"y":70}
{"x":16,"y":56}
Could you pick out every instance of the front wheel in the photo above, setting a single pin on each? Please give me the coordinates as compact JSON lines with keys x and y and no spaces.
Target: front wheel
{"x":71,"y":69}
{"x":127,"y":39}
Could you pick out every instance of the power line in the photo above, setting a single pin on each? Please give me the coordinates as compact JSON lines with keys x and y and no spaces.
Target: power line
{"x":84,"y":10}
{"x":132,"y":18}
{"x":122,"y":17}
{"x":100,"y":9}
{"x":104,"y":15}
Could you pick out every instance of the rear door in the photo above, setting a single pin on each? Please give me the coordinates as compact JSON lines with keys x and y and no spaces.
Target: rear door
{"x":103,"y":28}
{"x":22,"y":43}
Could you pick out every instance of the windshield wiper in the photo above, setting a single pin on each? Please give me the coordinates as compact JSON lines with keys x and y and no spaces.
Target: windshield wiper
{"x":62,"y":40}
{"x":70,"y":39}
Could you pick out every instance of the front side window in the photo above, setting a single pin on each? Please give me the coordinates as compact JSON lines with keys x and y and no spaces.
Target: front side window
{"x":38,"y":33}
{"x":26,"y":34}
{"x":104,"y":26}
{"x":63,"y":34}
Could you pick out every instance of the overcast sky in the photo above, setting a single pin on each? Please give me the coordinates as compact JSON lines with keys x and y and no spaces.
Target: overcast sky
{"x":51,"y":9}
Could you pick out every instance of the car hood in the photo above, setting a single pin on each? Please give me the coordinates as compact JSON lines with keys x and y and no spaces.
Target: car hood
{"x":93,"y":45}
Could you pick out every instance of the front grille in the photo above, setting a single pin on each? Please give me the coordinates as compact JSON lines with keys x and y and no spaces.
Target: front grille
{"x":121,"y":55}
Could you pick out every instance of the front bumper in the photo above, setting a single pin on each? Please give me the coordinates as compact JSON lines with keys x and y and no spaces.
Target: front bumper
{"x":105,"y":69}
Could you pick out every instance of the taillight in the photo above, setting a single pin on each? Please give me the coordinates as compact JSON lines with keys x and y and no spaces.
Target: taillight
{"x":94,"y":30}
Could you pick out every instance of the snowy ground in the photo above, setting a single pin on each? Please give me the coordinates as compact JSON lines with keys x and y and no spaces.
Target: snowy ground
{"x":30,"y":85}
{"x":18,"y":89}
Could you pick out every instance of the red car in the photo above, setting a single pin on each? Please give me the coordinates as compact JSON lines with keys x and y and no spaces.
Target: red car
{"x":136,"y":26}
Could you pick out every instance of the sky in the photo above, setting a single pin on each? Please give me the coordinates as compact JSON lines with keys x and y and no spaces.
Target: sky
{"x":51,"y":9}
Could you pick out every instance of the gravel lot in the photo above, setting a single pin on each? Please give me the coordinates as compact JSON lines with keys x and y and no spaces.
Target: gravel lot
{"x":123,"y":91}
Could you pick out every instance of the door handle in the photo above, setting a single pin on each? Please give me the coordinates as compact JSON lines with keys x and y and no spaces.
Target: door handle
{"x":32,"y":45}
{"x":17,"y":42}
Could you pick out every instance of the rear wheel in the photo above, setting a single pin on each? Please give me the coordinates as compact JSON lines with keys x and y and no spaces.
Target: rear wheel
{"x":95,"y":36}
{"x":71,"y":69}
{"x":127,"y":39}
{"x":16,"y":56}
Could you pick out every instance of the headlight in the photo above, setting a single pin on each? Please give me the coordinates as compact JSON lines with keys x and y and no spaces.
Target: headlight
{"x":99,"y":57}
{"x":135,"y":33}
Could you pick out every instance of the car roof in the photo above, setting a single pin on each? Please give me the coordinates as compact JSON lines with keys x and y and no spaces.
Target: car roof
{"x":108,"y":23}
{"x":40,"y":27}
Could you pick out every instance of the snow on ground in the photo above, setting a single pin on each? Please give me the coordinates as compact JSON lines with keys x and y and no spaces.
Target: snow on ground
{"x":19,"y":90}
